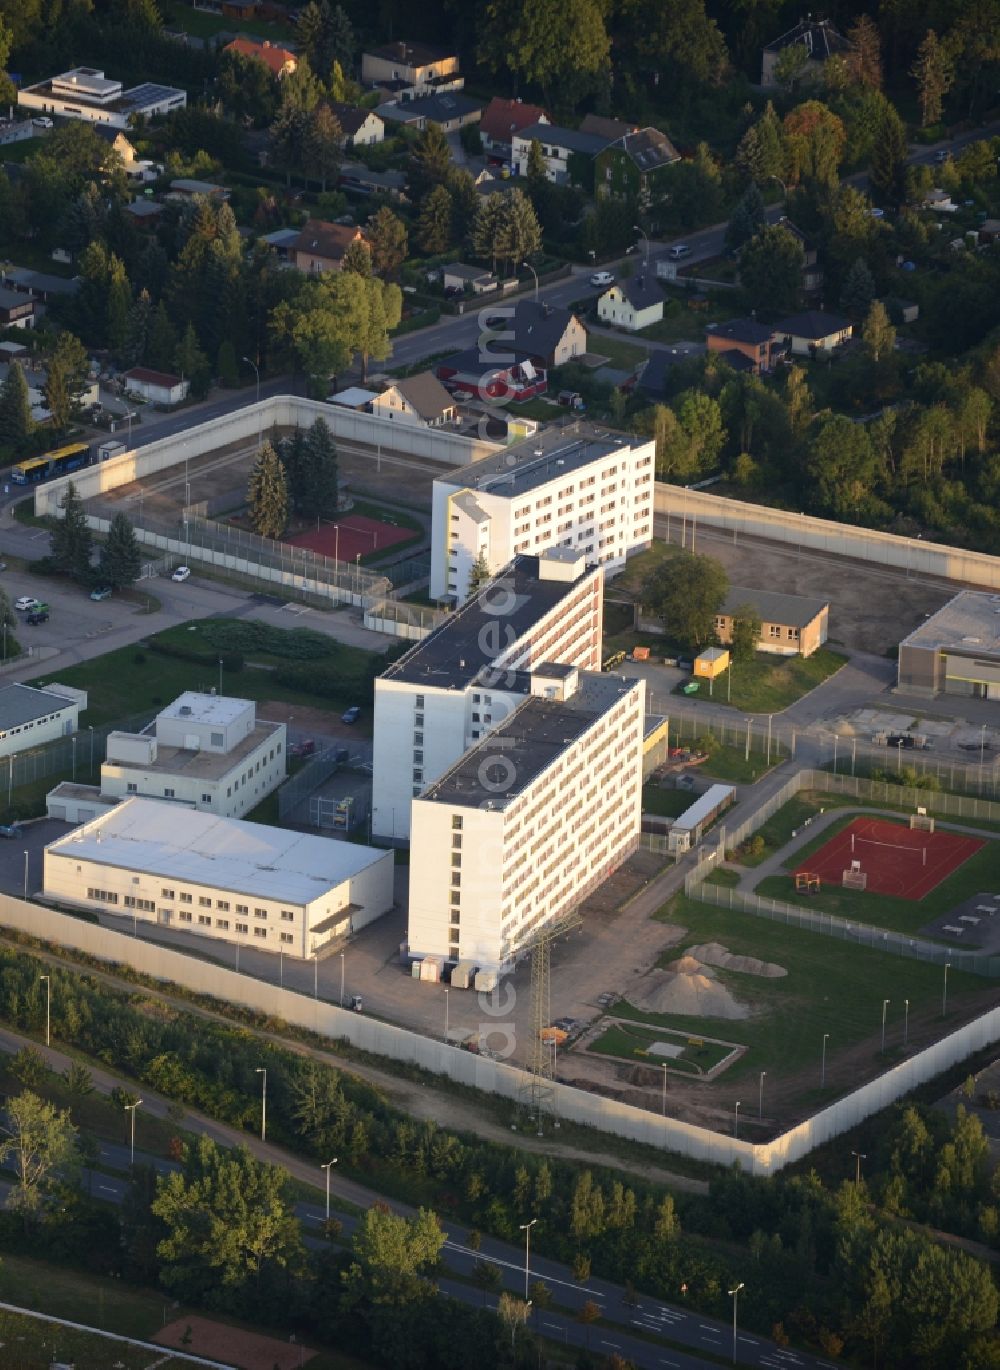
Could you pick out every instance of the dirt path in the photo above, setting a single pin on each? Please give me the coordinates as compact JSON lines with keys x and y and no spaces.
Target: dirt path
{"x":419,"y":1099}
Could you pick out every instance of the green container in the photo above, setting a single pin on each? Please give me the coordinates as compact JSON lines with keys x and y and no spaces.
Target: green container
{"x":692,"y":687}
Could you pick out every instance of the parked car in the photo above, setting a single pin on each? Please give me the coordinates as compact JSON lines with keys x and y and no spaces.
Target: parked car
{"x":39,"y":616}
{"x":352,"y":714}
{"x":302,"y":748}
{"x":102,"y":592}
{"x":602,"y":278}
{"x":182,"y":573}
{"x":678,"y":251}
{"x":42,"y":122}
{"x":25,"y":603}
{"x":10,"y":830}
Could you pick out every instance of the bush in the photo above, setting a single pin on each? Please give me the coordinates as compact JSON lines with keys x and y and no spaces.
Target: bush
{"x":231,"y":661}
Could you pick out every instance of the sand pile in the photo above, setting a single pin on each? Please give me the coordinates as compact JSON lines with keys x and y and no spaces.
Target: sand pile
{"x":689,"y":965}
{"x":694,"y":993}
{"x":715,"y":954}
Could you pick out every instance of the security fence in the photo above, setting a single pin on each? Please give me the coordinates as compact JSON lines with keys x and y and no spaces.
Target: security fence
{"x":979,"y":776}
{"x":297,"y":788}
{"x":767,"y":741}
{"x":75,"y":756}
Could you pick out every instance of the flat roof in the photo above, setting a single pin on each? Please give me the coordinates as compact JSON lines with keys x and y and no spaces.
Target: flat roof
{"x":469,"y":640}
{"x":503,"y":765}
{"x":704,"y":806}
{"x":514,"y":471}
{"x":198,"y":764}
{"x":176,"y":843}
{"x":20,"y":704}
{"x":969,"y":624}
{"x":792,"y":611}
{"x":206,"y":708}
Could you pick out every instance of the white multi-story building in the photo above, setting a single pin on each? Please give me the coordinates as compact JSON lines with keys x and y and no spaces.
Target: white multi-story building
{"x":86,"y":93}
{"x":233,"y":881}
{"x":204,"y":751}
{"x":464,"y":679}
{"x":530,"y":820}
{"x":576,"y":488}
{"x":33,"y":715}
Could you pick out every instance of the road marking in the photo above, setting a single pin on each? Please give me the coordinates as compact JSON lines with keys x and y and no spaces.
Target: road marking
{"x":613,"y":1344}
{"x":749,"y":1339}
{"x":554,"y":1326}
{"x":107,"y":1189}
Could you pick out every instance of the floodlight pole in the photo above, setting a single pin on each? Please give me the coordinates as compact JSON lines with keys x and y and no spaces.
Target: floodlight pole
{"x":760,"y":1095}
{"x":944,"y":992}
{"x":885,"y":1005}
{"x":822,"y":1069}
{"x":48,"y":1008}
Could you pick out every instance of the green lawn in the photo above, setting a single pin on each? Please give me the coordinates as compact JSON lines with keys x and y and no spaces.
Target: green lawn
{"x":683,"y":326}
{"x":979,"y":873}
{"x":779,"y":828}
{"x":200,"y":24}
{"x":664,"y":802}
{"x":732,"y":765}
{"x":632,"y":1043}
{"x":132,"y":679}
{"x":622,"y":355}
{"x":831,"y":987}
{"x":766,"y":685}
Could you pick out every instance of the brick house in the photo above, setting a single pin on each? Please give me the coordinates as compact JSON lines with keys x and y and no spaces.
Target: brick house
{"x":746,"y":338}
{"x":321,"y":246}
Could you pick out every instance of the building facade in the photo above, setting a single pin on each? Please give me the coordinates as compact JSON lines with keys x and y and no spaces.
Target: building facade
{"x":30,"y":716}
{"x":87,"y":94}
{"x":790,"y":625}
{"x":270,"y":888}
{"x":529,"y":821}
{"x":956,"y":651}
{"x":464,"y":680}
{"x":578,"y":488}
{"x":632,"y":304}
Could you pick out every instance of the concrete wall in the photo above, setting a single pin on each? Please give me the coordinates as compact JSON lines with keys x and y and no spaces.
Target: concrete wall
{"x":606,"y":1115}
{"x":839,"y":539}
{"x":283,"y":411}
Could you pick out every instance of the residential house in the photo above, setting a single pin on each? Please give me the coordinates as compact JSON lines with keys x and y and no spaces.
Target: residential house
{"x":17,"y":310}
{"x":548,"y":333}
{"x":939,"y":201}
{"x":420,"y":399}
{"x":989,"y":231}
{"x":743,"y":343}
{"x":144,"y":213}
{"x":39,"y":284}
{"x":450,"y":110}
{"x":459,"y":276}
{"x":631,"y":167}
{"x":357,"y":177}
{"x":405,"y":68}
{"x":159,"y":387}
{"x":791,"y":625}
{"x":282,"y":242}
{"x":479,"y":376}
{"x":568,"y":153}
{"x":652,"y":378}
{"x":611,"y":129}
{"x":278,"y":60}
{"x":502,"y":119}
{"x":632,"y":304}
{"x":321,"y":246}
{"x":812,"y":272}
{"x":185,"y":188}
{"x":119,"y":142}
{"x":86,"y":94}
{"x":814,"y":331}
{"x":360,"y":127}
{"x":821,"y":42}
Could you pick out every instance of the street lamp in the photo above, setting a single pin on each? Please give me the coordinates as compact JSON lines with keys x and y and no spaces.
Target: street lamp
{"x":328,"y":1166}
{"x":526,"y":1229}
{"x":859,"y":1156}
{"x":663,"y":1103}
{"x":535,"y":274}
{"x":645,"y":239}
{"x":760,"y":1096}
{"x":736,"y":1120}
{"x":906,"y":1021}
{"x":257,"y":374}
{"x":982,"y":745}
{"x":48,"y":1007}
{"x":73,"y":741}
{"x":944,"y":992}
{"x":734,"y":1294}
{"x":262,"y":1070}
{"x":131,"y":1108}
{"x":446,"y":1013}
{"x":90,"y":729}
{"x":822,"y":1069}
{"x":25,"y":875}
{"x":885,"y":1005}
{"x":341,"y":979}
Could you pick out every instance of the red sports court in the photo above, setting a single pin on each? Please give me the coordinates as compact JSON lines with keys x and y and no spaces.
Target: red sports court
{"x":358,"y":536}
{"x":896,"y":860}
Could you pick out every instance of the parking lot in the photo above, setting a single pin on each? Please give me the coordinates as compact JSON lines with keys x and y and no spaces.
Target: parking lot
{"x":33,"y":837}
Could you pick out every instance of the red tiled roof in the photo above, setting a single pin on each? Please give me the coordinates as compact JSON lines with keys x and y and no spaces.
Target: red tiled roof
{"x":501,"y":118}
{"x":321,"y":239}
{"x":143,"y":373}
{"x":276,"y":59}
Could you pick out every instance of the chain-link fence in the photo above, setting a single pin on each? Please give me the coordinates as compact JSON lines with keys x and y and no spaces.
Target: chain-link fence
{"x":755,"y":739}
{"x":297,"y":788}
{"x":979,"y":776}
{"x":77,"y":757}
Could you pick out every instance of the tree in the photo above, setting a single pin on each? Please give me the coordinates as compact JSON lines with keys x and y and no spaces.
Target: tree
{"x":321,"y":154}
{"x":887,"y":167}
{"x":228,"y":1219}
{"x":138,"y":329}
{"x":8,"y":91}
{"x":79,"y":1080}
{"x":771,"y":270}
{"x":382,"y":311}
{"x":67,"y":370}
{"x":119,"y":305}
{"x":227,"y":368}
{"x":121,"y":556}
{"x":40,"y":1140}
{"x":745,"y":633}
{"x":521,"y":236}
{"x":858,"y":290}
{"x":434,"y":222}
{"x":536,"y":169}
{"x":479,"y":575}
{"x":547,"y":42}
{"x":878,"y":334}
{"x":934,"y":74}
{"x":747,"y":219}
{"x":487,"y":229}
{"x":319,"y":478}
{"x":587,"y":1314}
{"x":488,"y":1277}
{"x":791,"y":64}
{"x":192,"y":363}
{"x":391,"y":1255}
{"x":357,"y":258}
{"x":289,"y":136}
{"x":687,"y":592}
{"x":326,"y":35}
{"x":71,"y":540}
{"x":162,"y":349}
{"x":815,"y":139}
{"x":16,"y":422}
{"x":387,"y":239}
{"x":843,"y":466}
{"x":761,"y":151}
{"x":430,"y":162}
{"x":267,"y":494}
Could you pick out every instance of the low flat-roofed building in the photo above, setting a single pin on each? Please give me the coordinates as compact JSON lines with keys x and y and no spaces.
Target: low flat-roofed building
{"x":158,"y":386}
{"x":31,"y":715}
{"x":956,"y":651}
{"x":233,"y":881}
{"x":529,"y":821}
{"x":790,"y":625}
{"x":86,"y":93}
{"x":463,"y":680}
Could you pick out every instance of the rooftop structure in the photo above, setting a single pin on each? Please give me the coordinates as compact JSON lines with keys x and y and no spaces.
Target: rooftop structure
{"x":956,"y":651}
{"x":85,"y":93}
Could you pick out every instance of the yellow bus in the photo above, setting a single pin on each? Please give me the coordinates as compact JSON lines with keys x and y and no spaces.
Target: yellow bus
{"x":58,"y":462}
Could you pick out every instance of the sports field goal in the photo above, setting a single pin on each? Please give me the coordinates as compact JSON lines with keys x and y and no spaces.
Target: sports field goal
{"x":854,"y":878}
{"x":921,"y":822}
{"x":806,"y":880}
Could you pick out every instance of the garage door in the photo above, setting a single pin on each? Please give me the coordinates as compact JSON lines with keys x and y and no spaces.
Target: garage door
{"x":85,"y":815}
{"x":57,"y":811}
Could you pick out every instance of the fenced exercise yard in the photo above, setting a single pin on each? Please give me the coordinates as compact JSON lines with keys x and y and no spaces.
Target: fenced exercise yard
{"x":351,"y":537}
{"x":895,"y":860}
